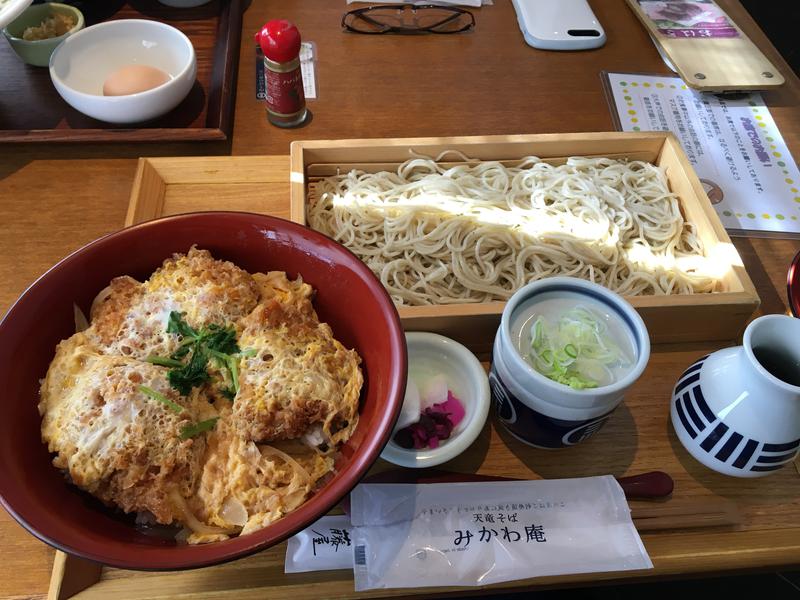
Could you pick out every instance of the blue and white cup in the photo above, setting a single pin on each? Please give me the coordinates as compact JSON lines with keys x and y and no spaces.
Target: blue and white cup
{"x":537,"y":410}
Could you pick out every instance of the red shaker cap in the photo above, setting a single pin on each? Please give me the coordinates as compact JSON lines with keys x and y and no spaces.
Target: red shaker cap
{"x":279,"y":40}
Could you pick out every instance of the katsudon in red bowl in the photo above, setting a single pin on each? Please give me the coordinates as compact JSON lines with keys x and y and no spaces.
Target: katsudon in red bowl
{"x":194,"y":389}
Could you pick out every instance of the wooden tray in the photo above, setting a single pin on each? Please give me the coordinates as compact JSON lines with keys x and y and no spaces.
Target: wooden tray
{"x":32,"y":111}
{"x":679,"y":318}
{"x":169,"y":186}
{"x":637,"y":438}
{"x":261,"y":576}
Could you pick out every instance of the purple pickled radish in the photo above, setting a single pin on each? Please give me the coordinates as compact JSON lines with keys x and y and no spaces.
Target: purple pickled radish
{"x":436,"y":422}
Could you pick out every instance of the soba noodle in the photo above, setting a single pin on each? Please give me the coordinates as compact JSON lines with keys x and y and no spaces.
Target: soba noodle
{"x":477,"y":232}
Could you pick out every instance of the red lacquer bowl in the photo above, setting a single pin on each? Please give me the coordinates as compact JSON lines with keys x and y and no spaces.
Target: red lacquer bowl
{"x":349,"y":298}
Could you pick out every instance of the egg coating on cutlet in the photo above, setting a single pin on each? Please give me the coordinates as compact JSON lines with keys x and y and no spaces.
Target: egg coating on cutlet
{"x":130,"y":318}
{"x":250,"y":486}
{"x":112,"y":439}
{"x":300,"y":377}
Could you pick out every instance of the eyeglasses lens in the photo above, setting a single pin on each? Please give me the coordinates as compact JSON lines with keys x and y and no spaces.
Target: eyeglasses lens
{"x":408,"y":19}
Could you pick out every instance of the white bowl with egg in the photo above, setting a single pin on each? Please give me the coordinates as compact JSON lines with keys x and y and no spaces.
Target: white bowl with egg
{"x":432,"y":356}
{"x":102,"y":53}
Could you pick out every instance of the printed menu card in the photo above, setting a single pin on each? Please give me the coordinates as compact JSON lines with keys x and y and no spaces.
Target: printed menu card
{"x":732,"y":142}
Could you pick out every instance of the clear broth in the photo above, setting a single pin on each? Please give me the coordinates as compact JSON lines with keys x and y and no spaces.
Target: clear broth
{"x":552,"y":306}
{"x":779,"y":364}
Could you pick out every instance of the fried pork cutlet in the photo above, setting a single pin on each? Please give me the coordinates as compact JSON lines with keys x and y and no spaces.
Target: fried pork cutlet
{"x":112,"y":439}
{"x":300,"y":379}
{"x":130,"y":318}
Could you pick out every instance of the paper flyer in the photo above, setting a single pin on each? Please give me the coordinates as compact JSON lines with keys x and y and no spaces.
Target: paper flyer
{"x":733,"y":144}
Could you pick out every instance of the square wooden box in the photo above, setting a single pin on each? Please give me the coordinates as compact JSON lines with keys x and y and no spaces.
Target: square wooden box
{"x":677,"y":318}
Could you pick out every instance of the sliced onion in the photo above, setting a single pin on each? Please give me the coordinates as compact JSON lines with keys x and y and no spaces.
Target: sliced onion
{"x":294,"y":499}
{"x":251,"y":453}
{"x":81,"y":323}
{"x":267,"y":450}
{"x":234,"y":512}
{"x":274,"y":503}
{"x":193,"y":522}
{"x":99,"y":299}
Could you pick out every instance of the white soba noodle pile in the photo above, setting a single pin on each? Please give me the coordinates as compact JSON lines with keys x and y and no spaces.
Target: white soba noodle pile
{"x":478,"y":231}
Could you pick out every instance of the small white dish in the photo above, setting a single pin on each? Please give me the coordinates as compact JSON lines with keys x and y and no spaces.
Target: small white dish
{"x":432,"y":354}
{"x":80,"y":65}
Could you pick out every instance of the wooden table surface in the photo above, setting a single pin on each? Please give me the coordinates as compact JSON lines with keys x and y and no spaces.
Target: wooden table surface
{"x":55,"y":198}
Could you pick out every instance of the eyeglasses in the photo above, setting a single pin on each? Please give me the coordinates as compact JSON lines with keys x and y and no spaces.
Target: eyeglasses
{"x":408,"y":19}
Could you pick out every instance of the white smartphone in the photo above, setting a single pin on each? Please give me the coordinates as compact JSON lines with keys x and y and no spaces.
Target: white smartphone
{"x":559,"y":24}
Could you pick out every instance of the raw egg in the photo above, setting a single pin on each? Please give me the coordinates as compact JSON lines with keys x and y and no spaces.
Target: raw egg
{"x":133,"y":79}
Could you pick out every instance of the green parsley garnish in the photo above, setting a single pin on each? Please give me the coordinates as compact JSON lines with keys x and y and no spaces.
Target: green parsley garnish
{"x":188,"y":431}
{"x":232,"y":364}
{"x":221,"y":339}
{"x":176,"y":324}
{"x":176,"y":408}
{"x":193,"y":373}
{"x":164,"y":362}
{"x":200,"y":346}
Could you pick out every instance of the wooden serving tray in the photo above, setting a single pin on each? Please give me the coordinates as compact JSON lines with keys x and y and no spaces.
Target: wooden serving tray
{"x":169,"y":186}
{"x":32,"y":111}
{"x":638,"y":438}
{"x":677,"y":318}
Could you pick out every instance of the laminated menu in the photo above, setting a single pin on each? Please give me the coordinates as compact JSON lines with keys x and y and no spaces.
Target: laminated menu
{"x":442,"y":534}
{"x":732,"y":142}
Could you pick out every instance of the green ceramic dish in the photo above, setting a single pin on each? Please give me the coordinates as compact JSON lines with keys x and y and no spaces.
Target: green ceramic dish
{"x":37,"y":52}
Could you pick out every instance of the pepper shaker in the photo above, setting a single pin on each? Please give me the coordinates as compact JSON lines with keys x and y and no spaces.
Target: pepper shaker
{"x":286,"y":103}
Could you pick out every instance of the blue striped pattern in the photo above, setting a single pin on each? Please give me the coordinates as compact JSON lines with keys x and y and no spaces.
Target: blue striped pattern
{"x":774,"y":456}
{"x":686,"y":382}
{"x":782,"y":447}
{"x":747,"y":453}
{"x":777,"y":458}
{"x":718,"y":439}
{"x":728,"y":447}
{"x":689,"y":406}
{"x":714,"y":437}
{"x":682,"y":416}
{"x":702,"y":404}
